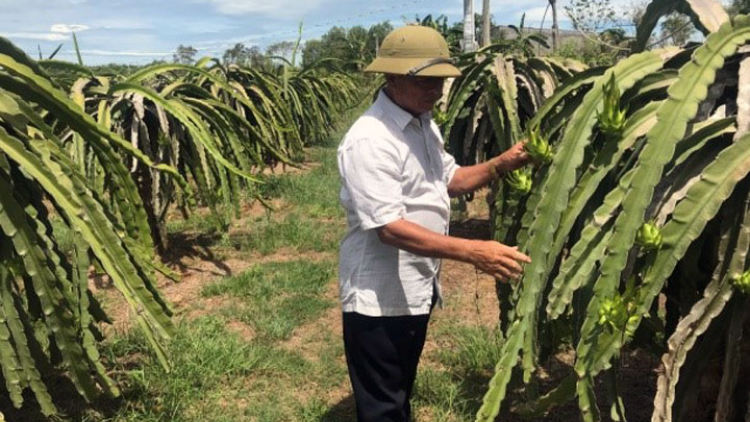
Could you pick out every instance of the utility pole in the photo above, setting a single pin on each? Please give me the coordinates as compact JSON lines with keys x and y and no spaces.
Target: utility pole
{"x":469,"y":42}
{"x":555,"y":28}
{"x":486,"y":24}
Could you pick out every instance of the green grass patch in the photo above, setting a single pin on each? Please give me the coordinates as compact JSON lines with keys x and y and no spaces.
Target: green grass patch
{"x":219,"y":376}
{"x":468,"y":355}
{"x":474,"y":348}
{"x":294,"y":232}
{"x":210,"y":366}
{"x":208,"y":223}
{"x":280,"y":296}
{"x":437,"y":394}
{"x":316,"y":221}
{"x":313,"y":193}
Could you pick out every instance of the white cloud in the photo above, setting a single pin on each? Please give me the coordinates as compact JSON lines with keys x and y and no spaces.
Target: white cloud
{"x":275,"y":7}
{"x":42,"y":36}
{"x":62,"y":28}
{"x":57,"y":32}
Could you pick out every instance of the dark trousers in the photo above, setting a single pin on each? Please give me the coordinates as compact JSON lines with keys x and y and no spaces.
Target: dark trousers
{"x":382,"y":354}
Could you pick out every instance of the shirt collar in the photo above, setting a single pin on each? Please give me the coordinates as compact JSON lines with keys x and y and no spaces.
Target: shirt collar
{"x":400,"y":117}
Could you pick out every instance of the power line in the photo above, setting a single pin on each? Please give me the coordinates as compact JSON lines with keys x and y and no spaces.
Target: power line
{"x":326,"y":24}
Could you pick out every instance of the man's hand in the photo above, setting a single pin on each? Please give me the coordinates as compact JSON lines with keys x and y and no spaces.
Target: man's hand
{"x":498,"y":260}
{"x":512,"y":159}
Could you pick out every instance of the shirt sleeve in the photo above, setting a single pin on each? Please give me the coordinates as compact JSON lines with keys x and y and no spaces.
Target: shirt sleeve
{"x":449,"y":163}
{"x":371,"y":174}
{"x":449,"y":167}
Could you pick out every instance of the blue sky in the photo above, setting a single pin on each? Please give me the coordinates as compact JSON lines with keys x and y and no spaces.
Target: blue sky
{"x":139,"y":31}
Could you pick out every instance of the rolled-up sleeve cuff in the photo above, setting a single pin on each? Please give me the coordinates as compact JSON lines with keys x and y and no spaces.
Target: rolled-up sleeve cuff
{"x":451,"y":173}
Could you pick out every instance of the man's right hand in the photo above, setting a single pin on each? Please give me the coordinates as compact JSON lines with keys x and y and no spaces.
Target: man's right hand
{"x":498,"y":260}
{"x":512,"y":159}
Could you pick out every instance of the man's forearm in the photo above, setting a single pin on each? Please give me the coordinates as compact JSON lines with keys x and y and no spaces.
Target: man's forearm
{"x":412,"y":237}
{"x":491,"y":257}
{"x":469,"y":179}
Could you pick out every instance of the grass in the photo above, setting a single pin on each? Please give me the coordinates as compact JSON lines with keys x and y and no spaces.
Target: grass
{"x":436,"y":396}
{"x":294,"y":232}
{"x":313,"y":193}
{"x":307,"y":218}
{"x":278,"y":297}
{"x":452,"y":391}
{"x":212,"y":369}
{"x":219,"y":374}
{"x":471,"y":347}
{"x":208,"y":223}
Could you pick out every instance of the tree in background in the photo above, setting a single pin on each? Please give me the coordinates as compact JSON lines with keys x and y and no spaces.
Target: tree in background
{"x":591,"y":16}
{"x":676,"y":29}
{"x":376,"y":33}
{"x":312,"y":51}
{"x":359,"y":47}
{"x":244,"y":56}
{"x":332,"y":44}
{"x":601,"y":26}
{"x":614,"y":36}
{"x":281,"y":49}
{"x":739,"y":7}
{"x":355,"y":47}
{"x":185,"y":54}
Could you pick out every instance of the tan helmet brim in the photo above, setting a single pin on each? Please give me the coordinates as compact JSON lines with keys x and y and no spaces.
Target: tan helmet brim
{"x":402,"y":66}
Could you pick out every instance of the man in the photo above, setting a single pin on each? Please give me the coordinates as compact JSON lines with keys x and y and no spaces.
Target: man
{"x":396,"y":183}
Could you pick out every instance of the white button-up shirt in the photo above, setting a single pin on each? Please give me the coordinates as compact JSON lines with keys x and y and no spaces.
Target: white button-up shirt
{"x":393,"y":166}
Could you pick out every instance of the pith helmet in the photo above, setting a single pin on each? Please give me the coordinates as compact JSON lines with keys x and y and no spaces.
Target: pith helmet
{"x":416,"y":51}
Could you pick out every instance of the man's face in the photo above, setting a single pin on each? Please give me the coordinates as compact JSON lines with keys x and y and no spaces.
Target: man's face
{"x":416,"y":94}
